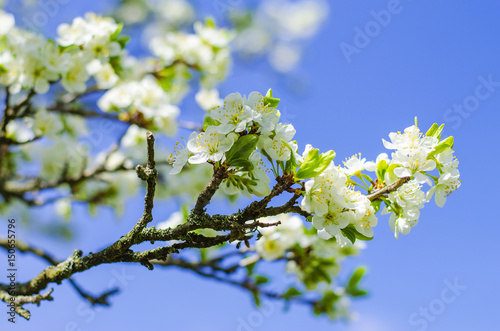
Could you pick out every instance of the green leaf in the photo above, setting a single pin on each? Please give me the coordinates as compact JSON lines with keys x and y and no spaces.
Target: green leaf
{"x":356,"y":277}
{"x":203,"y":255}
{"x":250,"y":268}
{"x":185,"y":212}
{"x":442,"y":146}
{"x":376,"y":205}
{"x":123,"y":40}
{"x":358,"y":234}
{"x":322,"y":274}
{"x":314,"y":164}
{"x":357,"y":292}
{"x":256,"y":298}
{"x":115,"y":34}
{"x":210,"y":22}
{"x":349,"y":234}
{"x":390,"y":171}
{"x":438,"y":132}
{"x":208,"y":121}
{"x":435,"y":131}
{"x":270,"y":100}
{"x":291,"y":292}
{"x":240,"y":152}
{"x":432,"y":130}
{"x":261,"y":279}
{"x":352,"y":234}
{"x":240,"y":163}
{"x":381,"y":169}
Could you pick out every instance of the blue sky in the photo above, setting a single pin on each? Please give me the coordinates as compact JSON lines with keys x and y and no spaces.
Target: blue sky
{"x":430,"y":60}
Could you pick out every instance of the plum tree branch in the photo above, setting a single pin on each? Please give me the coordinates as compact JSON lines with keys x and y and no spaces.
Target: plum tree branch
{"x":387,"y":189}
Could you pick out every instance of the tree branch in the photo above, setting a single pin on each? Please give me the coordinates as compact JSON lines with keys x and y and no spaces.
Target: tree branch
{"x":25,"y":248}
{"x":388,"y":189}
{"x":209,"y":191}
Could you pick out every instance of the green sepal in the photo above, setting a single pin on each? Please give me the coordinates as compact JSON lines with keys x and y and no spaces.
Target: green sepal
{"x":291,"y":164}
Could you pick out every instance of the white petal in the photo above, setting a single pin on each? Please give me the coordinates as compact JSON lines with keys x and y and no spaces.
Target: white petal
{"x":440,"y":197}
{"x":402,"y":172}
{"x":324,"y":235}
{"x":318,"y":222}
{"x":198,"y":158}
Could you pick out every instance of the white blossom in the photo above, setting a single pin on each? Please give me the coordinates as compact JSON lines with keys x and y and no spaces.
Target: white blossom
{"x":209,"y":146}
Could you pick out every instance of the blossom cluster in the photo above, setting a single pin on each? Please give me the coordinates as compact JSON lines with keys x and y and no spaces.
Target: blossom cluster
{"x":336,"y":205}
{"x":314,"y":262}
{"x":88,"y":55}
{"x":277,"y":30}
{"x":206,"y":50}
{"x":244,"y":131}
{"x":415,"y":156}
{"x":89,"y":47}
{"x":232,"y":134}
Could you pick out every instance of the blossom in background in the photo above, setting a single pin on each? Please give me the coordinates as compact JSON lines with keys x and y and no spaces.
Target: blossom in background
{"x":7,"y":21}
{"x":277,"y":239}
{"x":208,"y":99}
{"x":84,"y":29}
{"x":212,"y":35}
{"x":173,"y":221}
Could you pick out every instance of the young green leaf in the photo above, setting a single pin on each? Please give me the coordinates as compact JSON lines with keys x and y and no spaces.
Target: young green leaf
{"x":314,"y":164}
